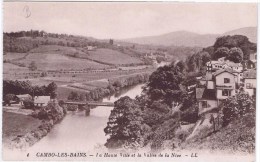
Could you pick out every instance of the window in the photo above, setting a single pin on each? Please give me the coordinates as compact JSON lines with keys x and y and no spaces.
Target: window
{"x":226,"y":92}
{"x":226,"y":80}
{"x":204,"y":104}
{"x":248,"y":86}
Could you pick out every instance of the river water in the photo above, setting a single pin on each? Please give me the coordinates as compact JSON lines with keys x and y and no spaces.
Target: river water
{"x":78,"y":132}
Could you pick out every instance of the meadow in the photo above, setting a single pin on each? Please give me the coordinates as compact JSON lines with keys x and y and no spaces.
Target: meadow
{"x":13,"y":56}
{"x":52,"y":61}
{"x":112,"y":57}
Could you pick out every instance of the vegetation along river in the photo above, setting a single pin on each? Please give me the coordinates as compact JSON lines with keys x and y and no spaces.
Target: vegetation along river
{"x":80,"y":133}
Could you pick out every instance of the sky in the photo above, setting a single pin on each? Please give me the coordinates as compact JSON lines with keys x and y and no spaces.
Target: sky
{"x":119,"y":20}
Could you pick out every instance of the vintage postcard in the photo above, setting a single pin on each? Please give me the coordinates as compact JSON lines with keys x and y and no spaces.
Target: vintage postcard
{"x":129,"y":81}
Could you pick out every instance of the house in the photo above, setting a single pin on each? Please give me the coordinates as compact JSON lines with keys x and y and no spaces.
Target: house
{"x":207,"y":81}
{"x":248,"y":64}
{"x":225,"y":83}
{"x":253,"y":58}
{"x":207,"y":99}
{"x":91,"y":48}
{"x":250,"y":82}
{"x":22,"y":98}
{"x":40,"y":101}
{"x":221,"y":63}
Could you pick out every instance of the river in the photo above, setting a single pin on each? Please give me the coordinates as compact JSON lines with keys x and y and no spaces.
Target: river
{"x":78,"y":132}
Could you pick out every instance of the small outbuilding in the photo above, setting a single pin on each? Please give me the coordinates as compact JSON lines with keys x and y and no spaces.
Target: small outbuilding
{"x":40,"y":101}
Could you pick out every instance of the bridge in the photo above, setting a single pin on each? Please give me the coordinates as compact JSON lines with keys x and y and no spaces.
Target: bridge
{"x":89,"y":105}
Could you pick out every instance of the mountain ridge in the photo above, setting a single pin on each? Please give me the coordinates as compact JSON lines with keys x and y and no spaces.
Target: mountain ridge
{"x":187,"y":38}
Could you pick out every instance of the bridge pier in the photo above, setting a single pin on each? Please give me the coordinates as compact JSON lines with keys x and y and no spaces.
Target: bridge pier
{"x":87,"y":110}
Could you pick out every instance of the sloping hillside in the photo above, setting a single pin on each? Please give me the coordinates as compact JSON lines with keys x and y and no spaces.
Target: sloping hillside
{"x":239,"y":135}
{"x":250,"y":32}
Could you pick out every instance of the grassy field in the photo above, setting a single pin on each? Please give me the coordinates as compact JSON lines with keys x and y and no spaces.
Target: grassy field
{"x":112,"y":57}
{"x":98,"y":83}
{"x":12,"y":55}
{"x":63,"y":92}
{"x":49,"y":61}
{"x":17,"y":124}
{"x":11,"y":68}
{"x":55,"y":49}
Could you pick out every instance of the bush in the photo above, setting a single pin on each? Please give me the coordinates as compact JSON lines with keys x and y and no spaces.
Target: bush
{"x":28,"y":104}
{"x":51,"y":112}
{"x":8,"y":98}
{"x":237,"y":106}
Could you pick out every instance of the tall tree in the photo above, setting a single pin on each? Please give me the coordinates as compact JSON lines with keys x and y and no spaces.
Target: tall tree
{"x":125,"y":124}
{"x":235,"y":54}
{"x":51,"y":88}
{"x":165,"y":83}
{"x":221,"y":52}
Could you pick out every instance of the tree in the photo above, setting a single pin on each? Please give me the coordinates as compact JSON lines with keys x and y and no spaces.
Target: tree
{"x":28,"y":104}
{"x":32,"y":66}
{"x":235,"y":54}
{"x":51,"y":112}
{"x":43,"y":74}
{"x":205,"y":56}
{"x":51,"y":88}
{"x":221,"y":52}
{"x":8,"y":98}
{"x":111,"y":41}
{"x":125,"y":123}
{"x":236,"y":106}
{"x":74,"y":96}
{"x":236,"y":41}
{"x":165,"y":83}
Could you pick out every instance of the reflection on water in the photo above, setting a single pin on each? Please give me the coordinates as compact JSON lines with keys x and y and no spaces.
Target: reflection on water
{"x":76,"y":132}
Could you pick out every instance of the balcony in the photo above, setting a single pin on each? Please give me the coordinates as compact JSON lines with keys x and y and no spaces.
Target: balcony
{"x":225,"y":86}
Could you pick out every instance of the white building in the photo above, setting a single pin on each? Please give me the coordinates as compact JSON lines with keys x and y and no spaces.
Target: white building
{"x":213,"y":66}
{"x":40,"y":101}
{"x":225,"y":84}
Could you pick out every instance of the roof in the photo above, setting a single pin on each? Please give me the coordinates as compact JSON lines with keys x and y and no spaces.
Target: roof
{"x":222,"y":71}
{"x":206,"y":77}
{"x":42,"y":99}
{"x":226,"y":62}
{"x":23,"y":96}
{"x":232,"y":64}
{"x":199,"y":92}
{"x":209,"y":94}
{"x":250,"y":74}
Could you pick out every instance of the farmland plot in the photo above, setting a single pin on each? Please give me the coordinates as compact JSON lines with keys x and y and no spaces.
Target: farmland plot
{"x":47,"y":61}
{"x":112,"y":57}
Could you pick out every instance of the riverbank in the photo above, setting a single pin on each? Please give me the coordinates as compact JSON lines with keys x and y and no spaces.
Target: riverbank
{"x":22,"y":131}
{"x":75,"y":132}
{"x":17,"y":125}
{"x":114,"y":86}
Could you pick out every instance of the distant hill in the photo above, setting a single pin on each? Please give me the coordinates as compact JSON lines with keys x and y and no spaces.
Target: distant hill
{"x":178,"y":38}
{"x":250,"y":32}
{"x":185,"y":38}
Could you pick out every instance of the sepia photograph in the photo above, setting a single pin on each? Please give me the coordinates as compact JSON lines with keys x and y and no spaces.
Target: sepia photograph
{"x":129,"y":81}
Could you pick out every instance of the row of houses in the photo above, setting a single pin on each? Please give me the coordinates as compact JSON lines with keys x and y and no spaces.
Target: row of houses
{"x":222,"y":80}
{"x":222,"y":63}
